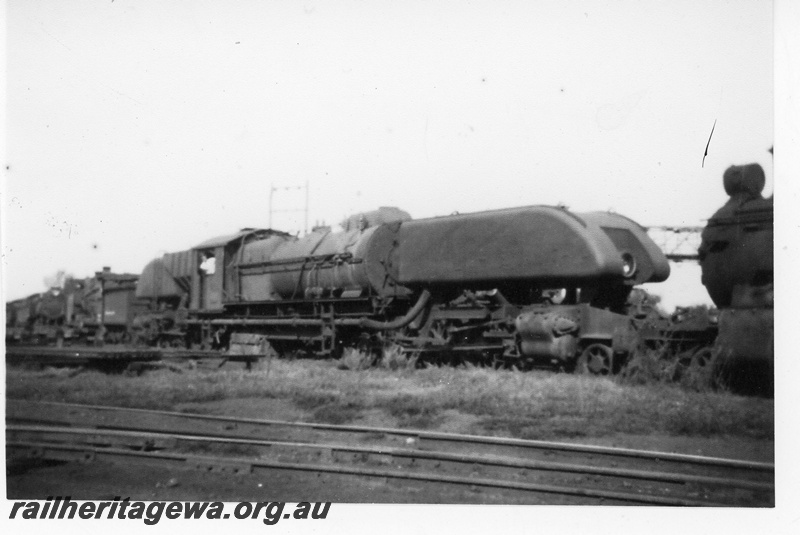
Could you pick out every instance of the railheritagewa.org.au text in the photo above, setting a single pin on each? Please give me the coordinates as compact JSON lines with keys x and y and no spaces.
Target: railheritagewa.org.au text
{"x":151,"y":513}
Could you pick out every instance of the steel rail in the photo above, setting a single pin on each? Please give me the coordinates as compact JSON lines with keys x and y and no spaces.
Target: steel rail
{"x":46,"y":450}
{"x":83,"y":355}
{"x":159,"y":437}
{"x":15,"y":406}
{"x":81,"y":352}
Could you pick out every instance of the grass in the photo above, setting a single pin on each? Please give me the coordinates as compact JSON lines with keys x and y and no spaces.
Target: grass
{"x":392,"y":358}
{"x":705,"y":370}
{"x":355,"y":360}
{"x":411,"y":413}
{"x":693,"y":369}
{"x":537,"y":405}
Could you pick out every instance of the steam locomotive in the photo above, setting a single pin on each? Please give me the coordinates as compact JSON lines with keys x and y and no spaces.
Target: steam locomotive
{"x":80,"y":310}
{"x":530,"y":285}
{"x":736,"y":257}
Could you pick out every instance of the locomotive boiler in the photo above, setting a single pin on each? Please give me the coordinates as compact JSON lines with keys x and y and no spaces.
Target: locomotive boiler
{"x":736,"y":257}
{"x":528,"y":285}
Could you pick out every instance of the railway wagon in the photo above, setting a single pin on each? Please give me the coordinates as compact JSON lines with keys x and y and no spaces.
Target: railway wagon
{"x":529,"y":285}
{"x":115,"y":307}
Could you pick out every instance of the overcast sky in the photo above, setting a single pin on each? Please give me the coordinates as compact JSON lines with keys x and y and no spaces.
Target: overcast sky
{"x":138,"y":128}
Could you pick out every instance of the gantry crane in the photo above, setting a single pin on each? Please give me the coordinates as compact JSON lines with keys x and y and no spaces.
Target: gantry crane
{"x":679,"y":244}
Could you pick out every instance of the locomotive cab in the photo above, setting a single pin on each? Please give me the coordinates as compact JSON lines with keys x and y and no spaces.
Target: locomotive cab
{"x":215,"y":278}
{"x":210,"y":278}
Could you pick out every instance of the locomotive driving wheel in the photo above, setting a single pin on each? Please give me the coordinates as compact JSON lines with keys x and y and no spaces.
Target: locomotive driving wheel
{"x":596,"y":359}
{"x":697,"y":359}
{"x":702,"y":357}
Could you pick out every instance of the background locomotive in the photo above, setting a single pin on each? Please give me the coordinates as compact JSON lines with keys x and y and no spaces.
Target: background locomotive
{"x":736,"y":256}
{"x":96,"y":308}
{"x":530,"y":285}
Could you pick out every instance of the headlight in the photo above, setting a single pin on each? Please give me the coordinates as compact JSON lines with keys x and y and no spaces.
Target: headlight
{"x":628,"y":265}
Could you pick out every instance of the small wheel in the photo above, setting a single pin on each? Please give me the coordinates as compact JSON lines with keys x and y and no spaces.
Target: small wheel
{"x":702,"y":357}
{"x":596,"y":359}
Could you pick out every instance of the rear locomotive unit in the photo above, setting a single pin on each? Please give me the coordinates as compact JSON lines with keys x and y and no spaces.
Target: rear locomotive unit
{"x":736,"y":257}
{"x":532,"y":285}
{"x":95,"y":309}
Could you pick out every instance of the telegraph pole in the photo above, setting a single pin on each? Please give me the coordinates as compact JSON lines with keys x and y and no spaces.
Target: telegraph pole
{"x":272,"y":210}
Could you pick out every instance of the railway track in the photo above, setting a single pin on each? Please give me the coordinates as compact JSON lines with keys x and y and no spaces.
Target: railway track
{"x":587,"y":474}
{"x":119,"y":356}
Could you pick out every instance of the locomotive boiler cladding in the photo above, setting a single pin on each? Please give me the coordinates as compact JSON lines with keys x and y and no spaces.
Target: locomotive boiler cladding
{"x":736,"y":257}
{"x":531,"y":284}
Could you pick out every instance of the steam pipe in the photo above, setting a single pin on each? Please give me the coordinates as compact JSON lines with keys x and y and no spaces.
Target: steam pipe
{"x":401,"y":322}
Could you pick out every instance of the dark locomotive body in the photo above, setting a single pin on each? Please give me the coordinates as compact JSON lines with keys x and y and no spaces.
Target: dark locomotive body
{"x":530,"y":285}
{"x":736,"y":256}
{"x":96,"y":309}
{"x":164,"y":285}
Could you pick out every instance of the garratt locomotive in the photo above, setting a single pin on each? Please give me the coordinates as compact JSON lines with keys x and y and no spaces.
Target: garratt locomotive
{"x":530,"y":285}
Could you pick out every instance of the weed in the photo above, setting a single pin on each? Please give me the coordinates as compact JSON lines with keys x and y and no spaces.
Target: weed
{"x":394,"y":358}
{"x":701,"y":371}
{"x":693,"y":369}
{"x":313,"y":399}
{"x":355,"y":360}
{"x":646,"y":366}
